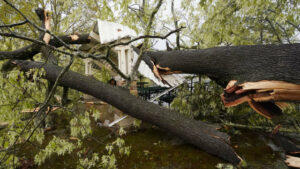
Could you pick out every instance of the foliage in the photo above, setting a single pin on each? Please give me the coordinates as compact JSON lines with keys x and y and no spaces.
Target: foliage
{"x":55,"y":146}
{"x":19,"y":94}
{"x":80,"y":125}
{"x":241,"y":22}
{"x":109,"y":160}
{"x":200,"y":102}
{"x":103,"y":75}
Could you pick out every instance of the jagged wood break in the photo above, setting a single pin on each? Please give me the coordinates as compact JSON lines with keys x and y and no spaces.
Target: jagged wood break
{"x":265,"y":97}
{"x":266,"y":75}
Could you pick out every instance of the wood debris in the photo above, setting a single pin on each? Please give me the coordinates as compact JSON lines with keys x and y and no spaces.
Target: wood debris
{"x":266,"y":97}
{"x":292,"y":161}
{"x":47,"y":36}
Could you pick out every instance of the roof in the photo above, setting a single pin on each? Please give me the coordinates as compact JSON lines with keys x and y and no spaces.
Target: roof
{"x":110,"y":31}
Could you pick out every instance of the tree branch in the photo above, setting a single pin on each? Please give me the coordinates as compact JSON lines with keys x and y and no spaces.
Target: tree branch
{"x":146,"y":41}
{"x":117,"y":69}
{"x":4,"y":55}
{"x":29,"y":51}
{"x":200,"y":134}
{"x":274,"y":30}
{"x":13,"y":25}
{"x":148,"y":36}
{"x":44,"y":105}
{"x":37,"y":27}
{"x":176,"y":26}
{"x":243,"y":63}
{"x":294,"y":25}
{"x":43,"y":15}
{"x":284,"y":30}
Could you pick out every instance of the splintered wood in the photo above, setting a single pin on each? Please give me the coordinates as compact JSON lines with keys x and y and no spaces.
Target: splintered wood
{"x":47,"y":36}
{"x":265,"y":97}
{"x":292,"y":161}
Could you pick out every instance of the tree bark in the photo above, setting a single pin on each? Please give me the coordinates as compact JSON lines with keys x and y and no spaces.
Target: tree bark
{"x":29,"y":51}
{"x":194,"y":132}
{"x":241,"y":63}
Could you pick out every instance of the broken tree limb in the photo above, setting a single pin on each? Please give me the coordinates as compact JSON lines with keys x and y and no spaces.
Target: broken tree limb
{"x":194,"y":132}
{"x":243,"y":63}
{"x":292,"y":161}
{"x":29,"y":51}
{"x":13,"y":25}
{"x":265,"y":97}
{"x":268,"y":73}
{"x":271,"y":84}
{"x":45,"y":19}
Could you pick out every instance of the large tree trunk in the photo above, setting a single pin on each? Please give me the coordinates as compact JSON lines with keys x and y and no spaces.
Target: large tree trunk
{"x":270,"y":70}
{"x":241,"y":63}
{"x":195,"y":132}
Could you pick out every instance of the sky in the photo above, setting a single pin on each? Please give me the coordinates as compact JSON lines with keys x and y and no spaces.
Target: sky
{"x":161,"y":44}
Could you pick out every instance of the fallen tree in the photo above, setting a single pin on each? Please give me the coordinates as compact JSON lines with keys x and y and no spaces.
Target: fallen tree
{"x":197,"y":133}
{"x":194,"y":132}
{"x":242,"y":63}
{"x":258,"y":74}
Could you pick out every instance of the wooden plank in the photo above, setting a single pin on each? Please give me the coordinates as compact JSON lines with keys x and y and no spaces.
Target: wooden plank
{"x":269,"y":84}
{"x":292,"y":161}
